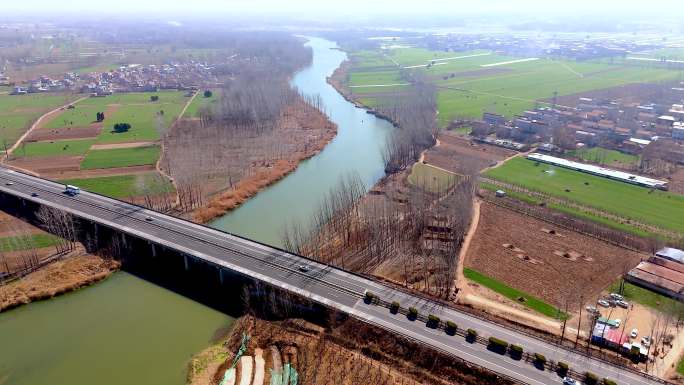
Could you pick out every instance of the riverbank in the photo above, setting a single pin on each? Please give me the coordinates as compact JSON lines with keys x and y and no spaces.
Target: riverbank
{"x":347,"y":353}
{"x":336,"y":80}
{"x":296,"y":122}
{"x":76,"y":270}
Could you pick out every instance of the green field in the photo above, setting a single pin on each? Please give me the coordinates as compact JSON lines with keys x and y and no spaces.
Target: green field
{"x":145,"y":117}
{"x":80,"y":116}
{"x":200,"y":102}
{"x":124,"y":186}
{"x":513,"y":294}
{"x":121,"y":157}
{"x":17,"y":112}
{"x":466,"y":89}
{"x":54,"y":148}
{"x":430,"y":178}
{"x":27,"y":242}
{"x":605,"y":157}
{"x":659,"y":208}
{"x":648,"y":298}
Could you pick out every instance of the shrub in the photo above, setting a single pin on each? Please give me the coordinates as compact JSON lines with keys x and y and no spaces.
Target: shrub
{"x":562,"y":367}
{"x":495,"y":342}
{"x":122,"y":127}
{"x":472,"y":333}
{"x":540,"y":358}
{"x":413,"y":312}
{"x":369,"y":296}
{"x":394,"y":307}
{"x":433,"y":320}
{"x":609,"y":382}
{"x":590,"y":378}
{"x":154,"y":98}
{"x":450,"y":327}
{"x":207,"y":94}
{"x":516,"y":349}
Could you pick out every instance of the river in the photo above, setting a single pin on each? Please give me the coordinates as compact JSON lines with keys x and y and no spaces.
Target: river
{"x":128,"y":331}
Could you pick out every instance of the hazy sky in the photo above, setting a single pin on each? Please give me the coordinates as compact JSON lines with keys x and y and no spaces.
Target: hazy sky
{"x":442,"y":7}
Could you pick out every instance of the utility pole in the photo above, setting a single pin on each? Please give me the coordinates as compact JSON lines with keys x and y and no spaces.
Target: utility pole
{"x":579,"y":322}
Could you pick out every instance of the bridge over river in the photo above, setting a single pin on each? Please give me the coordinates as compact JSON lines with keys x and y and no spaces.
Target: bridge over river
{"x":318,"y":283}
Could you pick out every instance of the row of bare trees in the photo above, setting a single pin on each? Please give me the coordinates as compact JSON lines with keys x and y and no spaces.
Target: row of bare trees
{"x":416,"y":237}
{"x":237,"y":134}
{"x":414,"y":115}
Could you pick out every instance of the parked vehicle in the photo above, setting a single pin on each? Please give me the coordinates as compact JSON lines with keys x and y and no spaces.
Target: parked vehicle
{"x":603,"y":303}
{"x":634,"y":333}
{"x":569,"y":381}
{"x":646,"y":341}
{"x":622,"y":303}
{"x":618,"y":322}
{"x":592,"y":309}
{"x":617,"y":297}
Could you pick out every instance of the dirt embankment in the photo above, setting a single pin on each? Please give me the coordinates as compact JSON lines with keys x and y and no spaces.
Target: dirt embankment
{"x":305,"y":130}
{"x":73,"y":272}
{"x":350,"y":353}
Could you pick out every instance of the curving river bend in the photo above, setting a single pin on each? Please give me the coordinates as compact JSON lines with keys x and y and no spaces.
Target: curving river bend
{"x":128,"y":331}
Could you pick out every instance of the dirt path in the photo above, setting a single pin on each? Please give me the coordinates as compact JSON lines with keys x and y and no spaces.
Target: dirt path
{"x":422,"y":154}
{"x":474,"y":221}
{"x":157,"y":165}
{"x":37,"y":123}
{"x":112,"y":146}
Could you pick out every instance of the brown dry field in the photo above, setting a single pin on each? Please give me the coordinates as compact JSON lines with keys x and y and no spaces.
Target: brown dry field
{"x":628,"y":93}
{"x":10,"y":224}
{"x":532,"y":263}
{"x":48,"y":164}
{"x":460,"y":155}
{"x":43,"y":134}
{"x":72,"y":174}
{"x":677,"y":182}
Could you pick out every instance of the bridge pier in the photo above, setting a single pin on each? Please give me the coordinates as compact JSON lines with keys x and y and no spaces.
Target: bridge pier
{"x":185,"y":262}
{"x":154,"y":249}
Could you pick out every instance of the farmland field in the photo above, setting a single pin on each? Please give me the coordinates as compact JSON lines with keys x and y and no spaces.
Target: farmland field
{"x":547,"y":262}
{"x":17,"y":112}
{"x":80,"y":116}
{"x":605,"y":157}
{"x":55,"y":148}
{"x":659,"y":208}
{"x":200,"y":102}
{"x":145,"y":117}
{"x":123,"y":186}
{"x":472,"y":82}
{"x":38,"y":241}
{"x":120,"y":157}
{"x":431,"y":178}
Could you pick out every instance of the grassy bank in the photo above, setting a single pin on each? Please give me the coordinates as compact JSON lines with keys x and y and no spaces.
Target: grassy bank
{"x":516,"y":295}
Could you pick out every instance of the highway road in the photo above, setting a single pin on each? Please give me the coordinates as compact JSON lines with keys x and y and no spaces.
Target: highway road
{"x":322,"y":283}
